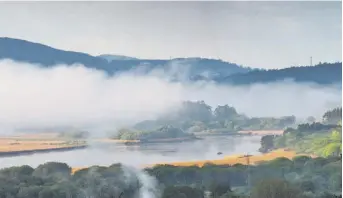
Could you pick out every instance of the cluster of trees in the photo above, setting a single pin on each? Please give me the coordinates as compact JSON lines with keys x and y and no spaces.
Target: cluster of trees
{"x":316,"y":138}
{"x":333,"y":116}
{"x":164,"y":132}
{"x":199,"y":117}
{"x":195,"y":117}
{"x":321,"y":144}
{"x":301,"y":177}
{"x":54,"y":180}
{"x":329,"y":122}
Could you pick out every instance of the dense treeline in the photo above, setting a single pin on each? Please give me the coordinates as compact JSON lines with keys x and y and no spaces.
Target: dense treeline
{"x":194,"y":117}
{"x":313,"y":176}
{"x":323,"y":73}
{"x":302,"y":177}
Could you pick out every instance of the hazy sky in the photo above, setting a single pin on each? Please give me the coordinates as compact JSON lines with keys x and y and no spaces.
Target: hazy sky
{"x":257,"y":34}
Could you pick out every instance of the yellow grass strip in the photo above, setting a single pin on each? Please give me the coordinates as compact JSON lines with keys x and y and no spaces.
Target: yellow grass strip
{"x":10,"y":145}
{"x":235,"y":159}
{"x":228,"y":160}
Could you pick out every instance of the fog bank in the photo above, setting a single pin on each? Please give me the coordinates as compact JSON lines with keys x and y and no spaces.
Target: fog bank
{"x":32,"y":96}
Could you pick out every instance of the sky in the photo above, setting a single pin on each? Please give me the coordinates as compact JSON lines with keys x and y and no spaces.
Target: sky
{"x":255,"y":34}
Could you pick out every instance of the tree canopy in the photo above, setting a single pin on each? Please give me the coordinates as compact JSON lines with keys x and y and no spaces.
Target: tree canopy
{"x":197,"y":116}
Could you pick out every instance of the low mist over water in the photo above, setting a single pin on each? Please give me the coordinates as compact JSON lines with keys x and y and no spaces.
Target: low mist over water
{"x":108,"y":153}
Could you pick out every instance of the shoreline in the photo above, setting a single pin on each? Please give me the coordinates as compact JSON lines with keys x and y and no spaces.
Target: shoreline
{"x":157,"y":141}
{"x":237,"y":159}
{"x":5,"y":154}
{"x":226,"y":160}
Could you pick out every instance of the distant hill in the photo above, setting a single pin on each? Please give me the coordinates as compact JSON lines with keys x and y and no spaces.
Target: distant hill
{"x":323,"y":74}
{"x":195,"y":68}
{"x":25,"y":51}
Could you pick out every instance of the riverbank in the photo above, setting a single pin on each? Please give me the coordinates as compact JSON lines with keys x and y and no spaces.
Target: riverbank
{"x":227,"y":160}
{"x":225,"y":132}
{"x":241,"y":159}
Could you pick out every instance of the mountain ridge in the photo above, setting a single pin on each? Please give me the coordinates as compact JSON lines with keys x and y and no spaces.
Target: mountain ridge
{"x":25,"y":51}
{"x":220,"y":71}
{"x":322,"y":73}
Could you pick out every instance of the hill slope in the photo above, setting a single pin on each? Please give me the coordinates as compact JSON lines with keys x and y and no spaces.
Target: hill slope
{"x":191,"y":68}
{"x":323,"y":74}
{"x":25,"y":51}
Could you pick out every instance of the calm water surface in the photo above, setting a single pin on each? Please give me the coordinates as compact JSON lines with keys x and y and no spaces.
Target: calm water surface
{"x":109,"y":153}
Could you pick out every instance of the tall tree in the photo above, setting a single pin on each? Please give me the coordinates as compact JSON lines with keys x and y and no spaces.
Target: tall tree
{"x":225,"y":112}
{"x":195,"y":111}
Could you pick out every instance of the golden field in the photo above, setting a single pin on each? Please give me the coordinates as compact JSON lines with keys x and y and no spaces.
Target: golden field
{"x":30,"y":142}
{"x":228,"y":160}
{"x":235,"y":159}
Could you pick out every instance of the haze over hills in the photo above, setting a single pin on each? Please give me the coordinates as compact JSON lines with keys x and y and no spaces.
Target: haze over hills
{"x":196,"y":68}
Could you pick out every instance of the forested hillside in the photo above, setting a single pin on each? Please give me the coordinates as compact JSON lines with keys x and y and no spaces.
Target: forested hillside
{"x":196,"y":68}
{"x":323,"y":73}
{"x":25,"y":51}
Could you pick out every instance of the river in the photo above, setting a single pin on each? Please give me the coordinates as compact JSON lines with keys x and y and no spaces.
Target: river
{"x":108,"y":153}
